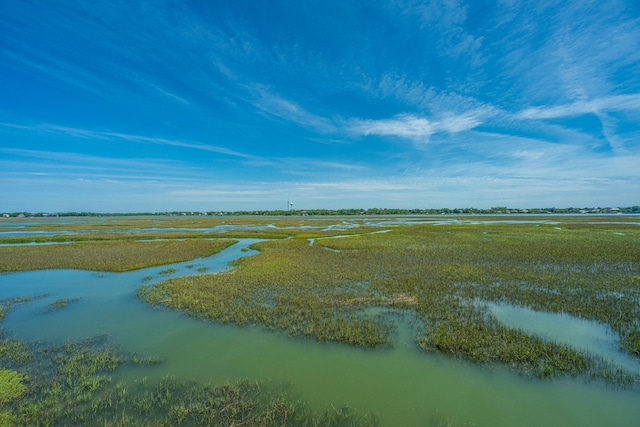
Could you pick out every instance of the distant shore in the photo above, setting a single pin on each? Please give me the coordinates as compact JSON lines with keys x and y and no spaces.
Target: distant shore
{"x":346,"y":212}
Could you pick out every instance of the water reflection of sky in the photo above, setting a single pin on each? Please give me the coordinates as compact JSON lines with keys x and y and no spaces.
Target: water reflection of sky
{"x":33,"y":233}
{"x":35,"y":244}
{"x":591,"y":336}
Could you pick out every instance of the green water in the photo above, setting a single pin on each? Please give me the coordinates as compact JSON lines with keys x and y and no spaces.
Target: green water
{"x":402,"y":385}
{"x":589,"y":336}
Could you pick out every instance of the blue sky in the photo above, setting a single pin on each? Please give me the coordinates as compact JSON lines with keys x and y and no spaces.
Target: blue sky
{"x":121,"y":106}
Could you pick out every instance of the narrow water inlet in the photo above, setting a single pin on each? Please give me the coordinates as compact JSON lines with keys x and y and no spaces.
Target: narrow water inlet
{"x":587,"y":335}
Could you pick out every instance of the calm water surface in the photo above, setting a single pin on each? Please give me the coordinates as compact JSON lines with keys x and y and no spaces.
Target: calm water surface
{"x":591,"y":336}
{"x":402,"y":385}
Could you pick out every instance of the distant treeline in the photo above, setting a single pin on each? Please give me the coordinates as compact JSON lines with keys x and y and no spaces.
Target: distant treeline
{"x":498,"y":210}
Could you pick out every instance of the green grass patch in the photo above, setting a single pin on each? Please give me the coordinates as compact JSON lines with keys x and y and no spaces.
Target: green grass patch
{"x":118,"y":255}
{"x":11,"y":386}
{"x":60,"y":304}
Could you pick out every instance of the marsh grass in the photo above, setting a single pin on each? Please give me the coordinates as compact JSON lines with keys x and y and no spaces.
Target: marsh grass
{"x":120,"y":255}
{"x":11,"y":386}
{"x":5,"y":304}
{"x":72,"y":384}
{"x":144,"y":228}
{"x":59,"y":304}
{"x":284,"y":296}
{"x":436,"y":274}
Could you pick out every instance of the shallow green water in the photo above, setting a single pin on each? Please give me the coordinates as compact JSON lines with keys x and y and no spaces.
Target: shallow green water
{"x":402,"y":385}
{"x":590,"y":336}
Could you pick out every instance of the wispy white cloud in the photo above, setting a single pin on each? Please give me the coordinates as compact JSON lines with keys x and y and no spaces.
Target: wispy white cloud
{"x":60,"y":163}
{"x":454,"y":123}
{"x":134,"y":54}
{"x":167,"y":93}
{"x":415,"y":127}
{"x":311,"y":169}
{"x":595,"y":106}
{"x":288,"y":110}
{"x":609,"y":132}
{"x":499,"y":155}
{"x":58,"y":69}
{"x":563,"y":53}
{"x":394,"y":86}
{"x":72,"y":162}
{"x":179,"y":143}
{"x":404,"y":126}
{"x":599,"y":107}
{"x":108,"y":135}
{"x":446,"y":21}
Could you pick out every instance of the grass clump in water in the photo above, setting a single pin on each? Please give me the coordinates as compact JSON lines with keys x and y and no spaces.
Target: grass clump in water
{"x":60,"y":304}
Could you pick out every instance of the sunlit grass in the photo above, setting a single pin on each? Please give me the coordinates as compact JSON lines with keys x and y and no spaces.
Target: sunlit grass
{"x":121,"y":255}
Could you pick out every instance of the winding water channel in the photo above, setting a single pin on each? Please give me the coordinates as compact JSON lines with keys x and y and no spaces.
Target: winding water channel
{"x":402,"y":385}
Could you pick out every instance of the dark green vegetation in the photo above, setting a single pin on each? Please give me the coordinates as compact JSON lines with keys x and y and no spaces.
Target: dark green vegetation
{"x":440,"y":276}
{"x":111,"y":255}
{"x":59,"y":304}
{"x":72,"y":384}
